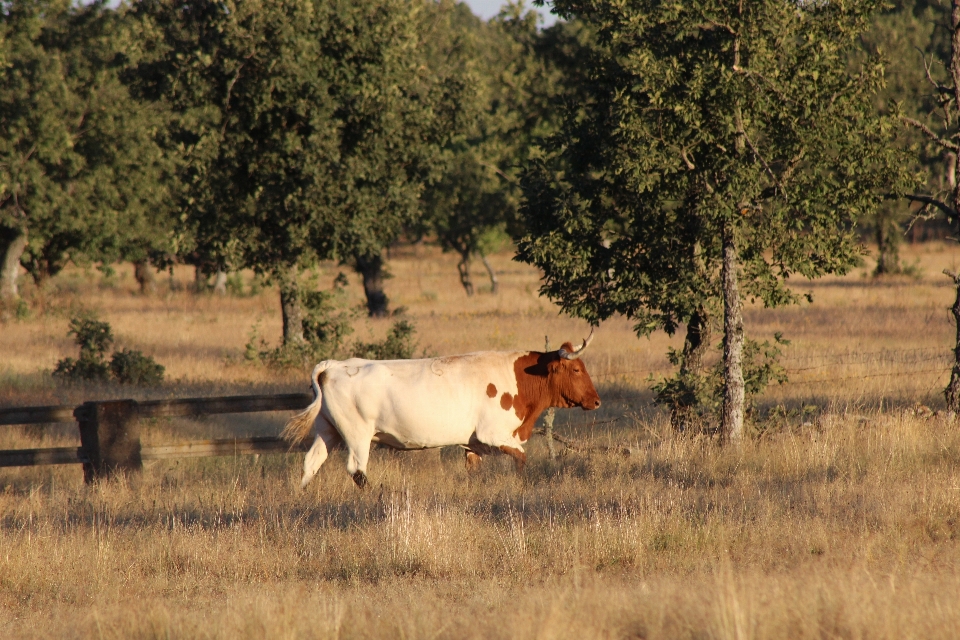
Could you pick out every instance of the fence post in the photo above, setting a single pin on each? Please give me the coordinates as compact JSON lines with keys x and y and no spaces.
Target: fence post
{"x":109,"y":437}
{"x":549,"y":415}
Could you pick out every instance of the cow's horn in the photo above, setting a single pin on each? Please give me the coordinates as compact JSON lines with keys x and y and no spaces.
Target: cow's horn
{"x":573,"y":355}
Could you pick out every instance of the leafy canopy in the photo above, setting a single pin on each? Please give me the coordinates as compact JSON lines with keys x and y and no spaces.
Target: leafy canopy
{"x":81,"y":173}
{"x":699,"y":119}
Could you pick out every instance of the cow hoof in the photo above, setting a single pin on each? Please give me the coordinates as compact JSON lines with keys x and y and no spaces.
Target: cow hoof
{"x":360,"y":479}
{"x":473,"y":461}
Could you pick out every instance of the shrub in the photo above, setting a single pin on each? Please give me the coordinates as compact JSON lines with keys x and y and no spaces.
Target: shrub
{"x":94,"y":338}
{"x":326,"y":323}
{"x":701,"y":396}
{"x":132,"y":367}
{"x":398,"y":345}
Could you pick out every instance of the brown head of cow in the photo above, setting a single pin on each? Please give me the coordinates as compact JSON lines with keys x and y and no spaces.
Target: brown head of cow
{"x":567,"y":377}
{"x":555,"y":379}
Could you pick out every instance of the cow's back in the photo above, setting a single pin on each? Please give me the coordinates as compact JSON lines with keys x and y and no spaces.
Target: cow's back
{"x":422,"y":403}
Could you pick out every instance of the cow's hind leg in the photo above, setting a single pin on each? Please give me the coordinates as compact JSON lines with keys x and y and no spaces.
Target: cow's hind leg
{"x":357,"y":457}
{"x":327,"y":439}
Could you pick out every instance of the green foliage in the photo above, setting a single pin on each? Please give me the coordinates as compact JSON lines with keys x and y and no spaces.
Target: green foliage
{"x":912,"y":35}
{"x":326,"y":324}
{"x":326,"y":321}
{"x":235,"y":284}
{"x":701,"y":125}
{"x":627,"y":210}
{"x":306,"y":130}
{"x":505,"y":104}
{"x":81,"y":174}
{"x":22,"y":310}
{"x":94,"y":338}
{"x":398,"y":345}
{"x":132,"y":367}
{"x":91,"y":335}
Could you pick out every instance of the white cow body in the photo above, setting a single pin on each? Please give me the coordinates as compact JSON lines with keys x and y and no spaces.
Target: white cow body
{"x":419,"y":404}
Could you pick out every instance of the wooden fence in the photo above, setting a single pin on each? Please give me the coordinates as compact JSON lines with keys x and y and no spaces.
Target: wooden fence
{"x":110,"y":432}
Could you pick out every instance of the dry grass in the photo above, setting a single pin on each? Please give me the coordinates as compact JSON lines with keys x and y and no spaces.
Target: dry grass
{"x":840,"y":523}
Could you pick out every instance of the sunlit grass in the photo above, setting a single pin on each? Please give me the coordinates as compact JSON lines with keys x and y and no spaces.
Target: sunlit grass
{"x":841,"y":521}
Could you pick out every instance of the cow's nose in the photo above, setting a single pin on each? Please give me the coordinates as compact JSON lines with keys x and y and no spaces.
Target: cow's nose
{"x":596,"y":405}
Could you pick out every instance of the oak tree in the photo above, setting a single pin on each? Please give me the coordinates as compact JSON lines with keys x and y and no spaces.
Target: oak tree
{"x":721,"y":147}
{"x":82,"y":177}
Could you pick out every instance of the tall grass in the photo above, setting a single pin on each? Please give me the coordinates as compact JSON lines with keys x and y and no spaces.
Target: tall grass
{"x":841,"y":521}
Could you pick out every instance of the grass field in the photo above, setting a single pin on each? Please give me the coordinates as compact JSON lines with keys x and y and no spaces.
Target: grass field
{"x":841,"y":519}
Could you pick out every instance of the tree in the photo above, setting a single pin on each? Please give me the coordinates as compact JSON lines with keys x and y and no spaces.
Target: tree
{"x":722,"y":147}
{"x":81,"y":175}
{"x":305,"y":130}
{"x":508,"y":104}
{"x":908,"y":34}
{"x":471,"y":198}
{"x":397,"y":106}
{"x":944,"y":133}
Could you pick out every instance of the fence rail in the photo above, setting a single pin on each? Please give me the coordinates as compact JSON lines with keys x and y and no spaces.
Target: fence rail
{"x":110,"y":431}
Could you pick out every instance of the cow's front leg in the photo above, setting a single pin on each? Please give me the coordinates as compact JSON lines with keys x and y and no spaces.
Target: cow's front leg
{"x":519,"y":457}
{"x":472,"y":460}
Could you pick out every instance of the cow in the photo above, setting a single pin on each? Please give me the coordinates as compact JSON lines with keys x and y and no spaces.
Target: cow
{"x":486,"y":402}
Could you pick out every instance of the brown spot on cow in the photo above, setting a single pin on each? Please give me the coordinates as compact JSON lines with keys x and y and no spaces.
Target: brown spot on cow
{"x":506,"y":401}
{"x":491,"y":390}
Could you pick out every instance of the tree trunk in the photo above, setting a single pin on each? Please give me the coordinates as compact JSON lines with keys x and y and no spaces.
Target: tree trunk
{"x":290,"y":306}
{"x":199,"y":279}
{"x":220,"y":283}
{"x":371,"y":268}
{"x":145,"y":276}
{"x":494,"y":283}
{"x":733,"y":390}
{"x":952,"y":392}
{"x":888,"y":244}
{"x":464,"y":268}
{"x":695,"y":345}
{"x":13,"y":242}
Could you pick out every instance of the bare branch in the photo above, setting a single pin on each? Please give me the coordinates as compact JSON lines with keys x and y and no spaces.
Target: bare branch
{"x":934,"y":202}
{"x":946,"y":144}
{"x":766,"y":166}
{"x":497,"y":170}
{"x":713,"y":24}
{"x":941,"y":88}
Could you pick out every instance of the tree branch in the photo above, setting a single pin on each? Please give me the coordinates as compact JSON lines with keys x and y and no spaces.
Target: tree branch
{"x":946,"y":144}
{"x":941,"y":88}
{"x":939,"y":204}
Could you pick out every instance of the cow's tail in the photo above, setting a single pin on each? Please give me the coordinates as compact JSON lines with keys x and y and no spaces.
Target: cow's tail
{"x":298,"y":429}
